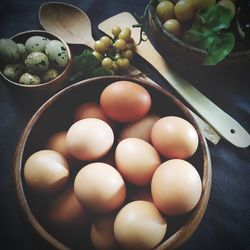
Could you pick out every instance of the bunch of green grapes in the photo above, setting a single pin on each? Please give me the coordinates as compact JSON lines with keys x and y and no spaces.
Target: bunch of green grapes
{"x":115,"y":54}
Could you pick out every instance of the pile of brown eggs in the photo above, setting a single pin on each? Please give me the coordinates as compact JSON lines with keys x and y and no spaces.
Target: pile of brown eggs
{"x":149,"y":153}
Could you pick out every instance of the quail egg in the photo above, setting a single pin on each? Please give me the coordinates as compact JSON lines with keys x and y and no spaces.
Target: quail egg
{"x":57,"y":53}
{"x":13,"y":71}
{"x":9,"y":51}
{"x":50,"y":75}
{"x":29,"y":79}
{"x":36,"y":44}
{"x":37,"y":62}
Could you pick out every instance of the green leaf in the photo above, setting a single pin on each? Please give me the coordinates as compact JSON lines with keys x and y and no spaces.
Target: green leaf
{"x":208,"y":33}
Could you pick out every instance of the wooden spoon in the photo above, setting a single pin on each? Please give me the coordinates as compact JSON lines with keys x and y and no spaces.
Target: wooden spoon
{"x":73,"y":25}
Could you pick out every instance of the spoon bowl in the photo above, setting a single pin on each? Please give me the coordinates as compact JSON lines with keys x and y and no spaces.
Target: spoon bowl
{"x":66,"y":21}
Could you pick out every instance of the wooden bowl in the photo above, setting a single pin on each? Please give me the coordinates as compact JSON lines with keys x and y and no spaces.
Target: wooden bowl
{"x":51,"y":86}
{"x":178,"y":52}
{"x":55,"y":115}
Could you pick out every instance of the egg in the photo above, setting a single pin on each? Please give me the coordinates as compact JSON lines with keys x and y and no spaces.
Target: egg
{"x":102,"y":233}
{"x":140,"y":129}
{"x":49,"y":75}
{"x":36,"y":44}
{"x":89,"y":139}
{"x":9,"y":51}
{"x":125,"y":101}
{"x":57,"y":142}
{"x":139,"y":226}
{"x":174,"y":137}
{"x":13,"y":71}
{"x":66,"y":211}
{"x":29,"y":79}
{"x":136,"y":160}
{"x":57,"y":53}
{"x":22,"y":51}
{"x":91,"y":110}
{"x":176,"y":187}
{"x":46,"y":171}
{"x":37,"y":62}
{"x":100,"y":187}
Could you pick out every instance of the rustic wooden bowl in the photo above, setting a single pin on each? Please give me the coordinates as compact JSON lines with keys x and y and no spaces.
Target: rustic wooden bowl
{"x":178,"y":52}
{"x":55,"y":115}
{"x":46,"y":87}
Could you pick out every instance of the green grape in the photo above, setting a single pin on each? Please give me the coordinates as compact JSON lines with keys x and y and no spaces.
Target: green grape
{"x":128,"y":53}
{"x":165,"y":10}
{"x":106,"y":40}
{"x":97,"y":55}
{"x":116,"y":31}
{"x":123,"y":63}
{"x":100,"y":46}
{"x":184,"y":10}
{"x":115,"y":67}
{"x":125,"y":34}
{"x":120,"y":44}
{"x":107,"y":63}
{"x":173,"y":26}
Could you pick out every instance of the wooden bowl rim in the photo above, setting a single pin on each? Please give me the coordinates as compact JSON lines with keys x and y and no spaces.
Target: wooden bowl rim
{"x":51,"y":82}
{"x":180,"y":236}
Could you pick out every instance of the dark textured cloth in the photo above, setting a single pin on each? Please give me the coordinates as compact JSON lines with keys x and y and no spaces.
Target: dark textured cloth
{"x":226,"y":223}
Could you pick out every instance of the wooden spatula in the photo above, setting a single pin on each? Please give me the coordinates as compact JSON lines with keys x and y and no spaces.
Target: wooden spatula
{"x":224,"y":124}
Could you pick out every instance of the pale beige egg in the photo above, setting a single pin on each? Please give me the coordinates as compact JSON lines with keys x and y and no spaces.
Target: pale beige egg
{"x":139,"y":226}
{"x":46,"y":171}
{"x":176,"y":187}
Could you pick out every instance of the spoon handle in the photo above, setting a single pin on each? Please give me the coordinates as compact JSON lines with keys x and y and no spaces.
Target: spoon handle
{"x":225,"y":125}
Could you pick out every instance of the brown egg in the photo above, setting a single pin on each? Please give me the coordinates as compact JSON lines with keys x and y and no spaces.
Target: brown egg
{"x":125,"y":101}
{"x":67,"y":211}
{"x":89,"y":139}
{"x":136,"y":160}
{"x":57,"y":142}
{"x":174,"y":137}
{"x":140,"y":129}
{"x":102,"y":233}
{"x":100,"y":187}
{"x":176,"y":187}
{"x":91,"y":110}
{"x":139,"y":225}
{"x":46,"y":171}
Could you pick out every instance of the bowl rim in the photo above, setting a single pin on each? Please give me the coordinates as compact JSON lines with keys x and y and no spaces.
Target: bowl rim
{"x":182,"y":43}
{"x":44,"y":84}
{"x":180,"y":236}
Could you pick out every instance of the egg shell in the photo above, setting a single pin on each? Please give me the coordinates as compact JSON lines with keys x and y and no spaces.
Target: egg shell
{"x":66,"y":211}
{"x":36,"y":44}
{"x":176,"y":187}
{"x":37,"y":62}
{"x":125,"y":101}
{"x":102,"y":233}
{"x":57,"y":53}
{"x":89,"y":139}
{"x":91,"y":110}
{"x":136,"y":160}
{"x":13,"y":71}
{"x":100,"y":187}
{"x":139,"y":226}
{"x":140,"y":129}
{"x":9,"y":51}
{"x":29,"y":79}
{"x":174,"y":137}
{"x":46,"y":171}
{"x":22,"y":51}
{"x":49,"y":75}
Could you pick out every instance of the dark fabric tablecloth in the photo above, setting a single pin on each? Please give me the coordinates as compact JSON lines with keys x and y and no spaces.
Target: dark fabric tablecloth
{"x":226,"y":223}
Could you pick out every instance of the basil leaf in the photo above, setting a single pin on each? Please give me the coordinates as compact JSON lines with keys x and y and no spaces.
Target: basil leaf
{"x":206,"y":33}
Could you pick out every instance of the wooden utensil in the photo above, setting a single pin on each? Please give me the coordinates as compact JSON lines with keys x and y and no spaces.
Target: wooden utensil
{"x":224,"y":124}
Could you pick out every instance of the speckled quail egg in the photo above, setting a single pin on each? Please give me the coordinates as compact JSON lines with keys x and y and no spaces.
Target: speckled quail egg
{"x":9,"y":51}
{"x":50,"y":75}
{"x":37,"y":62}
{"x":13,"y":71}
{"x":29,"y":79}
{"x":57,"y":53}
{"x":22,"y":51}
{"x":36,"y":44}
